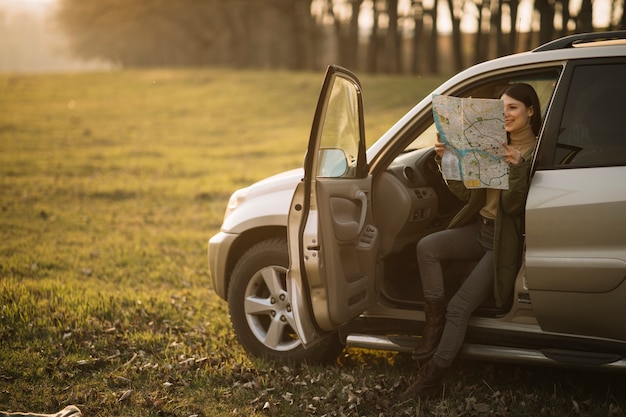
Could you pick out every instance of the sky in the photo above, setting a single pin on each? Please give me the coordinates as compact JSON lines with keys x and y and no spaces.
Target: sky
{"x":30,"y":43}
{"x":35,"y":6}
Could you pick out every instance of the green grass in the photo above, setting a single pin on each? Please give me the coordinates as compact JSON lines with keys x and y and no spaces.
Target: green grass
{"x":110,"y":186}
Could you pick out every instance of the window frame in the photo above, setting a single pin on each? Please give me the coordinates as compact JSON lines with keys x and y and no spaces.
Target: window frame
{"x":547,"y":151}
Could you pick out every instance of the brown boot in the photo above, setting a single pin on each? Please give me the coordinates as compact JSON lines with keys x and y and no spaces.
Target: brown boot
{"x":435,"y":312}
{"x":429,"y":383}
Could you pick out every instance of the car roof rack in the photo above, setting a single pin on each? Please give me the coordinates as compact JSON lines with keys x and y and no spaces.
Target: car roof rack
{"x":581,"y":38}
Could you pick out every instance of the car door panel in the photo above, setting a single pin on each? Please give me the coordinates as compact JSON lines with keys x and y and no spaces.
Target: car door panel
{"x":576,"y":251}
{"x":349,"y":243}
{"x":347,"y":205}
{"x":575,"y":223}
{"x":332,"y":240}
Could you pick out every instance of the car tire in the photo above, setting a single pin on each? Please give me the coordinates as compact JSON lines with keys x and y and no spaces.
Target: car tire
{"x":260,"y":311}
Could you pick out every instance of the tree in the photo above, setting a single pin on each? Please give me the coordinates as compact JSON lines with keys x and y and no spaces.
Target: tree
{"x":353,"y":34}
{"x":480,"y":50}
{"x":456,"y":11}
{"x":565,"y":17}
{"x":393,"y":39}
{"x":546,"y":20}
{"x":513,"y":9}
{"x":138,"y":33}
{"x":373,"y":46}
{"x":304,"y":34}
{"x":584,"y":23}
{"x":496,"y":25}
{"x":433,"y":54}
{"x":239,"y":33}
{"x":417,"y":9}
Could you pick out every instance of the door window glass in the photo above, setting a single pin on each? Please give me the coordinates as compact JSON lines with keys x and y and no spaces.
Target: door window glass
{"x":592,"y":130}
{"x":339,"y":144}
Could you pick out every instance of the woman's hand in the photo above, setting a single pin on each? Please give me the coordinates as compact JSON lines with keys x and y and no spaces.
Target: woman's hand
{"x":440,"y":147}
{"x":512,"y":155}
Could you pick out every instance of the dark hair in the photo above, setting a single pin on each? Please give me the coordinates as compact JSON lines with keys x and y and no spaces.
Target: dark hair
{"x":527,"y":95}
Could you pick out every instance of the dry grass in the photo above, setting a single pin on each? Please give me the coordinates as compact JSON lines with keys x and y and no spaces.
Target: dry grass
{"x":111,"y":184}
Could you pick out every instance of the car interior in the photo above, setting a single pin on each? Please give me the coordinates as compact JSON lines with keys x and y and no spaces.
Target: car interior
{"x":411,"y":200}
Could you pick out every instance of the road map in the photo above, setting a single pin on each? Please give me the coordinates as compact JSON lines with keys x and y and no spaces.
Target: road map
{"x":474,"y":134}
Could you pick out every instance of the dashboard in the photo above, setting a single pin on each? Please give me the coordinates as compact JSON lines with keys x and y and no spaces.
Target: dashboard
{"x":411,"y":199}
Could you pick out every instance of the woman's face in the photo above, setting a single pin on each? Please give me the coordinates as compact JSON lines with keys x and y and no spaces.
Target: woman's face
{"x":516,"y":114}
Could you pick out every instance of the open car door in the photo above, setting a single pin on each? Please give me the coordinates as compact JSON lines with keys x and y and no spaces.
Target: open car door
{"x":332,"y":242}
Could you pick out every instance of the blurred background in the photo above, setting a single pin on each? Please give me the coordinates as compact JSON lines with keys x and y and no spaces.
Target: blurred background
{"x":373,"y":36}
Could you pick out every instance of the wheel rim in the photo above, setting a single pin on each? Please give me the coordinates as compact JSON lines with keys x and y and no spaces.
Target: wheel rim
{"x":268,"y":311}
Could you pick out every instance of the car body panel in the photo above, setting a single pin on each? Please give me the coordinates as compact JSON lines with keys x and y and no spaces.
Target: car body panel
{"x":219,"y":248}
{"x":261,"y":205}
{"x":576,"y":250}
{"x":266,"y":203}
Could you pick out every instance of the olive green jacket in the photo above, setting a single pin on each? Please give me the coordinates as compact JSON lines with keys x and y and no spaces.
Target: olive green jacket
{"x":509,"y":225}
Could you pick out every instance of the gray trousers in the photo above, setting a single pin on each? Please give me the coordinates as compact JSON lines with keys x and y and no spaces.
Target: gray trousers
{"x":471,"y":242}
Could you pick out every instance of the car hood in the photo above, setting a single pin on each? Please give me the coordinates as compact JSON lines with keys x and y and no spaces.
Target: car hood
{"x":280,"y":182}
{"x":264,"y":203}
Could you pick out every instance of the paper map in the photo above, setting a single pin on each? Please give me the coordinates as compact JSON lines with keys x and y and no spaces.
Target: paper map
{"x":474,"y":134}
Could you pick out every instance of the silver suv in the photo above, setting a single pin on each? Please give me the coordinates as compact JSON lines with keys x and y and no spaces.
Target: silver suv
{"x":321,"y":257}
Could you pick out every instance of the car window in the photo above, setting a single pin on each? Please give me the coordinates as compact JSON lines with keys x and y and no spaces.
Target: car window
{"x":592,"y":132}
{"x":543,"y":82}
{"x":340,"y":138}
{"x":425,"y":139}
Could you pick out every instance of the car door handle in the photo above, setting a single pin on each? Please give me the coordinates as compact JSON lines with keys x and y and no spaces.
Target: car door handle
{"x":362,"y":197}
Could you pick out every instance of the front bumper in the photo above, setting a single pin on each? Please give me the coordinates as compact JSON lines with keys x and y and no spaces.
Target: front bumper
{"x":217,"y":253}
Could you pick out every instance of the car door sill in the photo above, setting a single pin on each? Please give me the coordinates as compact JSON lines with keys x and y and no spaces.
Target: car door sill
{"x":528,"y":356}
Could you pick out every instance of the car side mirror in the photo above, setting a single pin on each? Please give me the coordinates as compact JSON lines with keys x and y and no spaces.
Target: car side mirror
{"x":332,"y":163}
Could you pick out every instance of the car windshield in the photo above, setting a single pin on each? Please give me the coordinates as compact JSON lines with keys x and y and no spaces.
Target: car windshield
{"x":426,"y":139}
{"x":543,"y":83}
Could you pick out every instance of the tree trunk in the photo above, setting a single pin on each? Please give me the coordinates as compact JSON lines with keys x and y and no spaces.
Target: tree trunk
{"x":433,"y":50}
{"x":353,"y":36}
{"x":565,"y":17}
{"x":418,"y":21}
{"x":457,"y":47}
{"x":236,"y":20}
{"x":303,"y":30}
{"x":392,"y":39}
{"x":496,"y":27}
{"x":480,"y":50}
{"x":546,"y":20}
{"x":585,"y":17}
{"x":372,"y":50}
{"x":513,"y":34}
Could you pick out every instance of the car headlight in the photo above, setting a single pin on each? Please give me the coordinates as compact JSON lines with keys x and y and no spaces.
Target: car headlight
{"x":236,"y":199}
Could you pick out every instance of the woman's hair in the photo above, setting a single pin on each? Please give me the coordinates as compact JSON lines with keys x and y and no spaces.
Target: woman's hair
{"x":527,"y":95}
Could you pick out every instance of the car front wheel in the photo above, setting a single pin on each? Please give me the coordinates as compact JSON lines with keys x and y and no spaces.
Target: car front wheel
{"x":260,"y":310}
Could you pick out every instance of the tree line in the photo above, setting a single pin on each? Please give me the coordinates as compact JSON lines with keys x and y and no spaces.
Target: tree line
{"x":376,"y":36}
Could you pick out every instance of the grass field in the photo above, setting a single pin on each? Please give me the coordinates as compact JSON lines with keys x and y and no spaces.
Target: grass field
{"x":110,"y":186}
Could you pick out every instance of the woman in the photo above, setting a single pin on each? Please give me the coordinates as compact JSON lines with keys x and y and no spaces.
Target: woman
{"x":488,"y":229}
